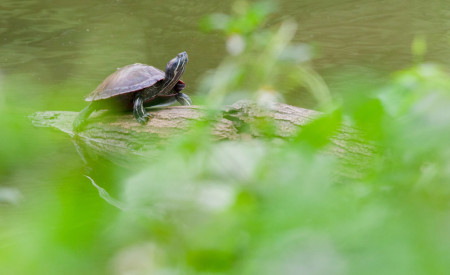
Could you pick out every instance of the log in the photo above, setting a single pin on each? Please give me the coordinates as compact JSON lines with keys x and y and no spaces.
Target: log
{"x":122,"y":132}
{"x":109,"y":134}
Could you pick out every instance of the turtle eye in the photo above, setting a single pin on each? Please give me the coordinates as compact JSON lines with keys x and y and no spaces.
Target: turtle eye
{"x":182,"y":55}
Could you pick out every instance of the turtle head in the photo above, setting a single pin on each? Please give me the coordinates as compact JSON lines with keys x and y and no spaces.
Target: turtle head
{"x":175,"y":67}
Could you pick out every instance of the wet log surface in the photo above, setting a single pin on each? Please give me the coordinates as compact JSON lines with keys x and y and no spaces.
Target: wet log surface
{"x":112,"y":134}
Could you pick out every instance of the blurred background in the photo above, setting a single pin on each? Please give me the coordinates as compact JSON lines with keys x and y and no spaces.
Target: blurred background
{"x":53,"y":45}
{"x":383,"y":63}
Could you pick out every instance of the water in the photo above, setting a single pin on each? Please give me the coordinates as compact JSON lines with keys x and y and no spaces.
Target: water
{"x":54,"y":53}
{"x":48,"y":43}
{"x":86,"y":41}
{"x":371,"y":38}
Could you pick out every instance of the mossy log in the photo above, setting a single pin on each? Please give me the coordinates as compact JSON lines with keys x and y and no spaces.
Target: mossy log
{"x":112,"y":134}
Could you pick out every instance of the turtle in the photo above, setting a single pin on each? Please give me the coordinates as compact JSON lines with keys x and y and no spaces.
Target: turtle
{"x":137,"y":86}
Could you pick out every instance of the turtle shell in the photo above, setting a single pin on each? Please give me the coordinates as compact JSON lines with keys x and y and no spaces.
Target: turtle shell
{"x":125,"y":80}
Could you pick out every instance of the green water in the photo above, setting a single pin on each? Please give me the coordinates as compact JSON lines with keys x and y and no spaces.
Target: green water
{"x":47,"y":43}
{"x":53,"y":221}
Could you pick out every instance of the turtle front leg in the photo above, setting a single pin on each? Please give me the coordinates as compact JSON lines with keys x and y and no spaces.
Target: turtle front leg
{"x":183,"y":99}
{"x":139,"y":111}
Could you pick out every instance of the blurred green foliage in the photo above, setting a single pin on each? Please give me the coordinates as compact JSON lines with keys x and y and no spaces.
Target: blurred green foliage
{"x":266,"y":206}
{"x":263,"y":62}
